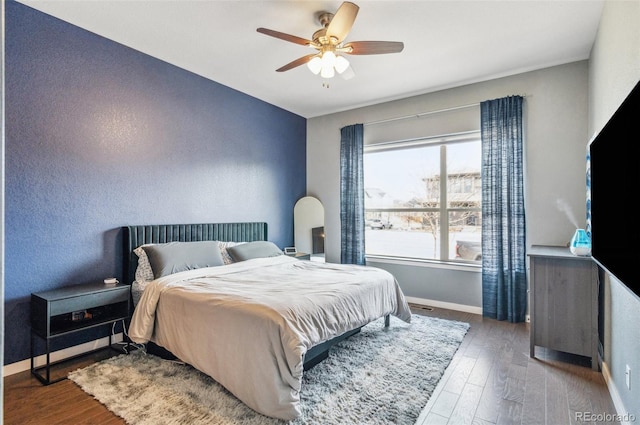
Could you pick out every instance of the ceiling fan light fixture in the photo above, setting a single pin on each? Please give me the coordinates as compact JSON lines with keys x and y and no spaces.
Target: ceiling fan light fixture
{"x":328,"y":72}
{"x":315,"y":65}
{"x":341,"y":64}
{"x":328,"y":63}
{"x":348,"y":74}
{"x":328,"y":59}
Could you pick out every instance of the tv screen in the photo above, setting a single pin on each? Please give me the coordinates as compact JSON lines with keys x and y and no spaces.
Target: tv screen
{"x":615,"y":180}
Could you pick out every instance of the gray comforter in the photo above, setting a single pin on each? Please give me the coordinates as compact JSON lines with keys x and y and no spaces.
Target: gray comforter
{"x":248,"y":325}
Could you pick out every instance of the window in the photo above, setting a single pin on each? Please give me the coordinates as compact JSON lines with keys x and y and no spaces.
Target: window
{"x":412,"y":212}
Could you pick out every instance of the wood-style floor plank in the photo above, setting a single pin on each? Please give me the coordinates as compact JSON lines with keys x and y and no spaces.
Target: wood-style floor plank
{"x":515,"y":389}
{"x":491,"y":381}
{"x":465,"y":408}
{"x":534,"y":405}
{"x":28,"y":402}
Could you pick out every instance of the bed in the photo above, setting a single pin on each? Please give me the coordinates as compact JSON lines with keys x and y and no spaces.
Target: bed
{"x":258,"y":319}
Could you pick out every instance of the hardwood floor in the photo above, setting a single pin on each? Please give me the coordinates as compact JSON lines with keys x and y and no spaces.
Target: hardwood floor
{"x":491,"y":380}
{"x":28,"y":402}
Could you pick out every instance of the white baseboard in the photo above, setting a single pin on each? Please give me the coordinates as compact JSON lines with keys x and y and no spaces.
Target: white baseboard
{"x":623,"y":416}
{"x":66,"y":353}
{"x":442,"y":304}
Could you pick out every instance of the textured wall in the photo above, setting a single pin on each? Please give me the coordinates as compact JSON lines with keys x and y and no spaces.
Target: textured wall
{"x":99,"y":136}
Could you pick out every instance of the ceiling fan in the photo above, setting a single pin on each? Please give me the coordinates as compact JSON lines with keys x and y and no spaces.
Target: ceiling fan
{"x":329,"y":43}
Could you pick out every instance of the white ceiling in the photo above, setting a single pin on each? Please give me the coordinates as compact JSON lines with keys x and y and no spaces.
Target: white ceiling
{"x":447,"y":43}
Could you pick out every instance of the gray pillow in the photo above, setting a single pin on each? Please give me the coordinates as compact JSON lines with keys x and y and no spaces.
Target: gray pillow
{"x":256,"y":249}
{"x":174,"y":257}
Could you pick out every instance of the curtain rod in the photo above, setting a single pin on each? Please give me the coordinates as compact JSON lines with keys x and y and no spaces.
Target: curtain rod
{"x":421,"y":114}
{"x":439,"y":138}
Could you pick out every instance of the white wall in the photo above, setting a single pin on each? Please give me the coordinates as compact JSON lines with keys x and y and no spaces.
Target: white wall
{"x":614,"y":69}
{"x":555,"y":115}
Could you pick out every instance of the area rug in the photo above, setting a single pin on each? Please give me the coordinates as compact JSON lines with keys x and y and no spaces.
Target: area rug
{"x":380,"y":376}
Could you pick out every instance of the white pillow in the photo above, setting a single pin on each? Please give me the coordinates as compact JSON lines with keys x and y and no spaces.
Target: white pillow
{"x":143,"y":272}
{"x":137,"y":288}
{"x":226,"y":257}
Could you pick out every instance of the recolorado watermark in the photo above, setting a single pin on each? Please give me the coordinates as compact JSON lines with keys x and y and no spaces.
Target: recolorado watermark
{"x":604,"y":417}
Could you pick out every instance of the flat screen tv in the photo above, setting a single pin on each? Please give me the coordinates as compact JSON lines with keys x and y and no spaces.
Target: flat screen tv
{"x":614,"y":156}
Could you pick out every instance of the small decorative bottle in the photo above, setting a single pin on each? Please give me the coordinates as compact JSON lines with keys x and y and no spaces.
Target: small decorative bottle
{"x":580,"y":243}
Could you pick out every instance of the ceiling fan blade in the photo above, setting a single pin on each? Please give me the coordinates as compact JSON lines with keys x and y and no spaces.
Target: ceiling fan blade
{"x":296,"y":63}
{"x":373,"y":47}
{"x":285,"y":37}
{"x":342,"y":21}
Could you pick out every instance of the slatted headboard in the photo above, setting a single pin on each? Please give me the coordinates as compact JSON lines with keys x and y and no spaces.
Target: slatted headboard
{"x":134,"y":236}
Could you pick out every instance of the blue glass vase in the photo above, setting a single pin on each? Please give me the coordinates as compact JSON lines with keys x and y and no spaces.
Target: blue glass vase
{"x":580,"y":243}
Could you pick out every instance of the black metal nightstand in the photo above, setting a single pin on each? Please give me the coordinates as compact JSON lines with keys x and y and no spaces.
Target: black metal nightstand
{"x":71,"y":309}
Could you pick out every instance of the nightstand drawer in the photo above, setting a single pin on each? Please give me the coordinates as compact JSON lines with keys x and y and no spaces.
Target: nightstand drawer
{"x":85,"y":301}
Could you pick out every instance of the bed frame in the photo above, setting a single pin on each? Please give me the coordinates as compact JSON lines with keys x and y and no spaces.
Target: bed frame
{"x":134,"y":236}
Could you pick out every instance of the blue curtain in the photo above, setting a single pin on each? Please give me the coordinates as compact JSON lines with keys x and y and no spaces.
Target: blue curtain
{"x":504,"y":280}
{"x":352,"y":194}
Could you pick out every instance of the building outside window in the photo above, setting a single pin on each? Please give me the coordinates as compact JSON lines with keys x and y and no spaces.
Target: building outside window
{"x":412,"y":212}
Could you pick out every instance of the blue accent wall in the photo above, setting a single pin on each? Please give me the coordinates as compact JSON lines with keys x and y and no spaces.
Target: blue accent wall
{"x":99,"y":136}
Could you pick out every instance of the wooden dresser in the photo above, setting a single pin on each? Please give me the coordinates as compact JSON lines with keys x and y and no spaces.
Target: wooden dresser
{"x":563,"y":302}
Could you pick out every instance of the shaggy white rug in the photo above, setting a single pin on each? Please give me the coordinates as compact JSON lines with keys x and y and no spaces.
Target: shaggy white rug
{"x":378,"y":376}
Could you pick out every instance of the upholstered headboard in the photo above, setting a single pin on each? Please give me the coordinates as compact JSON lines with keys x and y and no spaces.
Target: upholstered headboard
{"x":134,"y":236}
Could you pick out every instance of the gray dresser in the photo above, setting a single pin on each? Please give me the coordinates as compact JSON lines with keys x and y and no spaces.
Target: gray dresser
{"x":563,"y":302}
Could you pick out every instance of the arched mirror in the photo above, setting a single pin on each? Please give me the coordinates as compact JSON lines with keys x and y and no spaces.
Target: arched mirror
{"x":308,"y":225}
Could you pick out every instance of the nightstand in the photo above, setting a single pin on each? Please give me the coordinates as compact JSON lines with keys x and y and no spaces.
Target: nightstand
{"x":70,"y":309}
{"x":300,"y":256}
